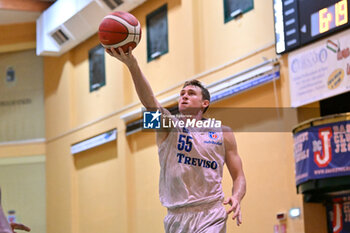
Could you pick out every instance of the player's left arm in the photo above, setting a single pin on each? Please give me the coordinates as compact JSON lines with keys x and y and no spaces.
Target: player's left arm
{"x":234,"y":165}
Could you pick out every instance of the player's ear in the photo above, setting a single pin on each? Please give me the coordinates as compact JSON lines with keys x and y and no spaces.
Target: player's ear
{"x":205,"y":103}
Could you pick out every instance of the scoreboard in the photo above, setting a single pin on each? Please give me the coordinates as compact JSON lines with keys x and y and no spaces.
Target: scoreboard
{"x":299,"y":22}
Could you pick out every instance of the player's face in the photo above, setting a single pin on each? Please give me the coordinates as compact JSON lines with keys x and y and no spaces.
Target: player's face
{"x":191,"y":100}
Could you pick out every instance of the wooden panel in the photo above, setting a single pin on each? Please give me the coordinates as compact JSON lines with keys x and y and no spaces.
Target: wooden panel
{"x":24,"y":149}
{"x":24,"y":5}
{"x":17,"y":33}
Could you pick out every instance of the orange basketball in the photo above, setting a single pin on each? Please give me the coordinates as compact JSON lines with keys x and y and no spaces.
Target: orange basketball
{"x":119,"y":29}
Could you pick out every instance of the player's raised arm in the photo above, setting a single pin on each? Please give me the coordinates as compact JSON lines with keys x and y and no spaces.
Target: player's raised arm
{"x":142,"y":86}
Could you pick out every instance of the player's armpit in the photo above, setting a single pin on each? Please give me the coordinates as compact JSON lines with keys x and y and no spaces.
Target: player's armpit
{"x":163,"y":133}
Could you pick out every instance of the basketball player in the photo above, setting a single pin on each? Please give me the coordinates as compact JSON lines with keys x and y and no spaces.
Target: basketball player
{"x":4,"y":224}
{"x":5,"y":227}
{"x":191,"y":160}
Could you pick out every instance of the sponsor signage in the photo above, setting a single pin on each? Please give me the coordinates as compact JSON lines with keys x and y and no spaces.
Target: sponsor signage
{"x":338,"y":214}
{"x":320,"y":70}
{"x":322,"y":151}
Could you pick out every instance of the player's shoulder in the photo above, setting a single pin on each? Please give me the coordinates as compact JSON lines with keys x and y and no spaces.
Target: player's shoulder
{"x":226,"y":129}
{"x":229,"y":137}
{"x":228,"y":134}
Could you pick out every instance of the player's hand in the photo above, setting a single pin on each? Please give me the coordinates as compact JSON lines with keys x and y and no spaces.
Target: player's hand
{"x":127,"y":58}
{"x":235,"y":208}
{"x":19,"y":226}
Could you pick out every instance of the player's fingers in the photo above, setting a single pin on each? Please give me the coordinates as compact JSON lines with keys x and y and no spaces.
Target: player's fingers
{"x":239,"y":218}
{"x":114,"y":52}
{"x":236,"y":212}
{"x":23,"y":227}
{"x":231,"y":209}
{"x":121,"y":52}
{"x":129,"y":51}
{"x":109,"y":51}
{"x":20,"y":226}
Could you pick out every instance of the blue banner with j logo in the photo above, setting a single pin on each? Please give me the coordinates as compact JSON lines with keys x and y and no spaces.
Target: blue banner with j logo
{"x":322,"y":151}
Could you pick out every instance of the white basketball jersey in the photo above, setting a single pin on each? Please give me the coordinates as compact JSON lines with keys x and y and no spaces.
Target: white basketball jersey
{"x":191,"y":162}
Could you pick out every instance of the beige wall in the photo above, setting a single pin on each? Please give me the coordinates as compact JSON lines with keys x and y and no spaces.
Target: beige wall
{"x":22,"y":182}
{"x":22,"y":144}
{"x":114,"y":188}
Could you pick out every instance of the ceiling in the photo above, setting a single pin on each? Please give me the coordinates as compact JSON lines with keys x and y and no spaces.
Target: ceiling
{"x":21,"y":11}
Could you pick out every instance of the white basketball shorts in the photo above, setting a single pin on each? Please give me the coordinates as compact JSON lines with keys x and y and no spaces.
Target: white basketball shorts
{"x":205,"y":218}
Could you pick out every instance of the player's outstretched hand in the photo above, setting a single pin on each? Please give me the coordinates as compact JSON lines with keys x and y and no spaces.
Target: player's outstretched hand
{"x":19,"y":226}
{"x":235,"y":208}
{"x":127,"y":58}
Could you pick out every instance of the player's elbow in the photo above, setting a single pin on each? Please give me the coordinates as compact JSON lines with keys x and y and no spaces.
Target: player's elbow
{"x":150,"y":104}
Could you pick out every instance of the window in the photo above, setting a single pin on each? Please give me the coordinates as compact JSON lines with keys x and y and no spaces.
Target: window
{"x":97,"y":68}
{"x":234,"y":8}
{"x":157,"y":33}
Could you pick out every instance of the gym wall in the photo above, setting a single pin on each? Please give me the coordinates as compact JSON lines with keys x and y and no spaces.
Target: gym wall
{"x":22,"y":127}
{"x":114,"y":188}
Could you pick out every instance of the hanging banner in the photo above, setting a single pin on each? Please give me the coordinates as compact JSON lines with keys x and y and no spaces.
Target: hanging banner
{"x":338,"y":214}
{"x":320,"y":70}
{"x":322,"y":151}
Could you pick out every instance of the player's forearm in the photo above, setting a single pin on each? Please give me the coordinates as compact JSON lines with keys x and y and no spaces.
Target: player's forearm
{"x":239,"y":187}
{"x":142,"y":86}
